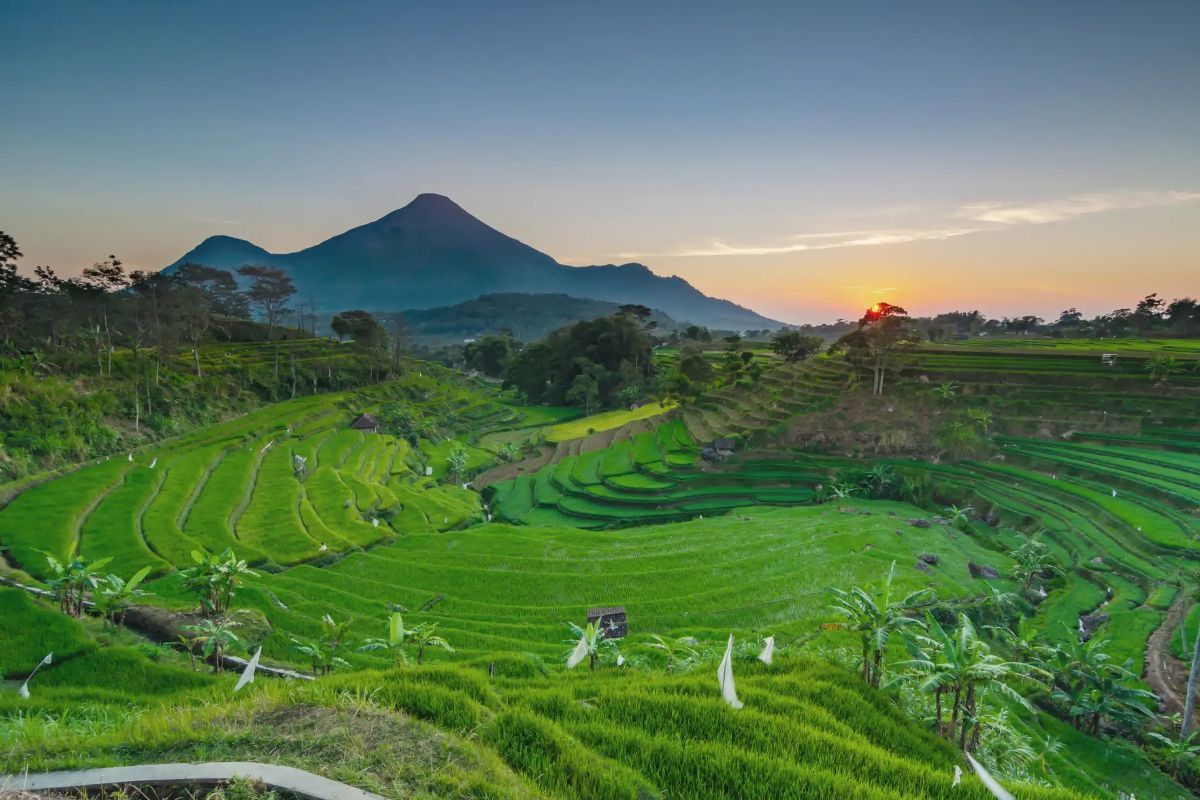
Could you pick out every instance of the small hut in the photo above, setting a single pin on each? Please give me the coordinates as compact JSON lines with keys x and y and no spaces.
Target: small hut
{"x":612,"y":620}
{"x":365,"y":423}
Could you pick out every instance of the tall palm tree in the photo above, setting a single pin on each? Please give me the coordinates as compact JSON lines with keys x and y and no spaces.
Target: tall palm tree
{"x":959,"y":665}
{"x":1091,"y":686}
{"x":875,"y":616}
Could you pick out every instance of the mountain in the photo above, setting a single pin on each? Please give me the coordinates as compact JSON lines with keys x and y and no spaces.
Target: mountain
{"x":528,"y":317}
{"x":433,"y":253}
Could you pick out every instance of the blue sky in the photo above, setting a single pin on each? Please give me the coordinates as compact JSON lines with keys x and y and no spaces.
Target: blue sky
{"x":801,"y":158}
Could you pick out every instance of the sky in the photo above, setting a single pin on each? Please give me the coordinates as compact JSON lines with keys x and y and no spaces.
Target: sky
{"x":803,"y":158}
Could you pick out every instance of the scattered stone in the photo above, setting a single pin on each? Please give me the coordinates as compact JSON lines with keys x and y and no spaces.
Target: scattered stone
{"x":918,"y":522}
{"x":1088,"y":623}
{"x":930,"y":558}
{"x":981,"y":570}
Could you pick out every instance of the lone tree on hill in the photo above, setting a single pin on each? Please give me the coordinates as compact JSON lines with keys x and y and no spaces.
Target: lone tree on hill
{"x":795,"y":346}
{"x":270,"y":290}
{"x":883,"y":331}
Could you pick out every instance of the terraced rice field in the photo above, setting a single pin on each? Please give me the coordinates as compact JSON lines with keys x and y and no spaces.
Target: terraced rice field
{"x":653,"y":477}
{"x":235,"y":485}
{"x":688,"y":548}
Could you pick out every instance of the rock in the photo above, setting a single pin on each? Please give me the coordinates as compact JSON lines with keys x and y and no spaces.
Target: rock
{"x":921,"y":566}
{"x":1088,"y":624}
{"x":930,"y":558}
{"x":918,"y":522}
{"x":981,"y":570}
{"x":923,"y":378}
{"x":891,"y":513}
{"x":1097,"y":560}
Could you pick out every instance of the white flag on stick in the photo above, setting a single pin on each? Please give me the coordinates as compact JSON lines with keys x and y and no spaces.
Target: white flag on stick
{"x":23,"y":689}
{"x":725,"y":677}
{"x":248,"y":672}
{"x":579,"y":653}
{"x":768,"y":651}
{"x":993,"y":786}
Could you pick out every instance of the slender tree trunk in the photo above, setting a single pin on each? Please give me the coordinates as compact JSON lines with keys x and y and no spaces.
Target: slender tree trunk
{"x":196,"y":359}
{"x":968,"y":710}
{"x":1190,"y":704}
{"x":954,"y":713}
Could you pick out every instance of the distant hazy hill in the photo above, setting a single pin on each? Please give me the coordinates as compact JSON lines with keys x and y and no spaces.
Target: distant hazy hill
{"x":526,"y":316}
{"x":433,"y":253}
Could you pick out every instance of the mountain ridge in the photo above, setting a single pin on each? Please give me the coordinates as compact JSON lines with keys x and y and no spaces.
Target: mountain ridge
{"x":433,"y":253}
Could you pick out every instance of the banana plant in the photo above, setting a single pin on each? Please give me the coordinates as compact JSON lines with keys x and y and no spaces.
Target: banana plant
{"x":425,"y":635}
{"x":213,"y":637}
{"x":681,"y":653}
{"x":115,"y":595}
{"x":324,"y":652}
{"x":397,"y":638}
{"x":70,"y":582}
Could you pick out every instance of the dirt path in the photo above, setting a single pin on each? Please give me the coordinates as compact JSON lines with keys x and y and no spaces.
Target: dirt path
{"x":506,"y":472}
{"x":1165,"y":673}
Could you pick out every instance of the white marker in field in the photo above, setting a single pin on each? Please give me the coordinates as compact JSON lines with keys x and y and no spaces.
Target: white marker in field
{"x":725,"y":677}
{"x":248,"y":672}
{"x":23,"y":691}
{"x":768,"y":651}
{"x":993,"y":786}
{"x":579,"y":653}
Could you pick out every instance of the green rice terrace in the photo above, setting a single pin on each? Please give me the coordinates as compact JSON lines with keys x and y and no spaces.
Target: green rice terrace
{"x":1038,"y":505}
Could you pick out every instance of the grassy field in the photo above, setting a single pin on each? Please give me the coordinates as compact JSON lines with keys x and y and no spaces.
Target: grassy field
{"x":235,"y":484}
{"x":607,"y":420}
{"x":1104,"y":465}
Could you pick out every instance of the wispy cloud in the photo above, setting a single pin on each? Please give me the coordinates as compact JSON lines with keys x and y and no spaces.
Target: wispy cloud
{"x":1040,"y":213}
{"x":815,"y":241}
{"x":990,"y":216}
{"x":872,"y":289}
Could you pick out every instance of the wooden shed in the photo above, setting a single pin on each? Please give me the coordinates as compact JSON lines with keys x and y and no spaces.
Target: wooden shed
{"x":365,"y":423}
{"x":612,"y":620}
